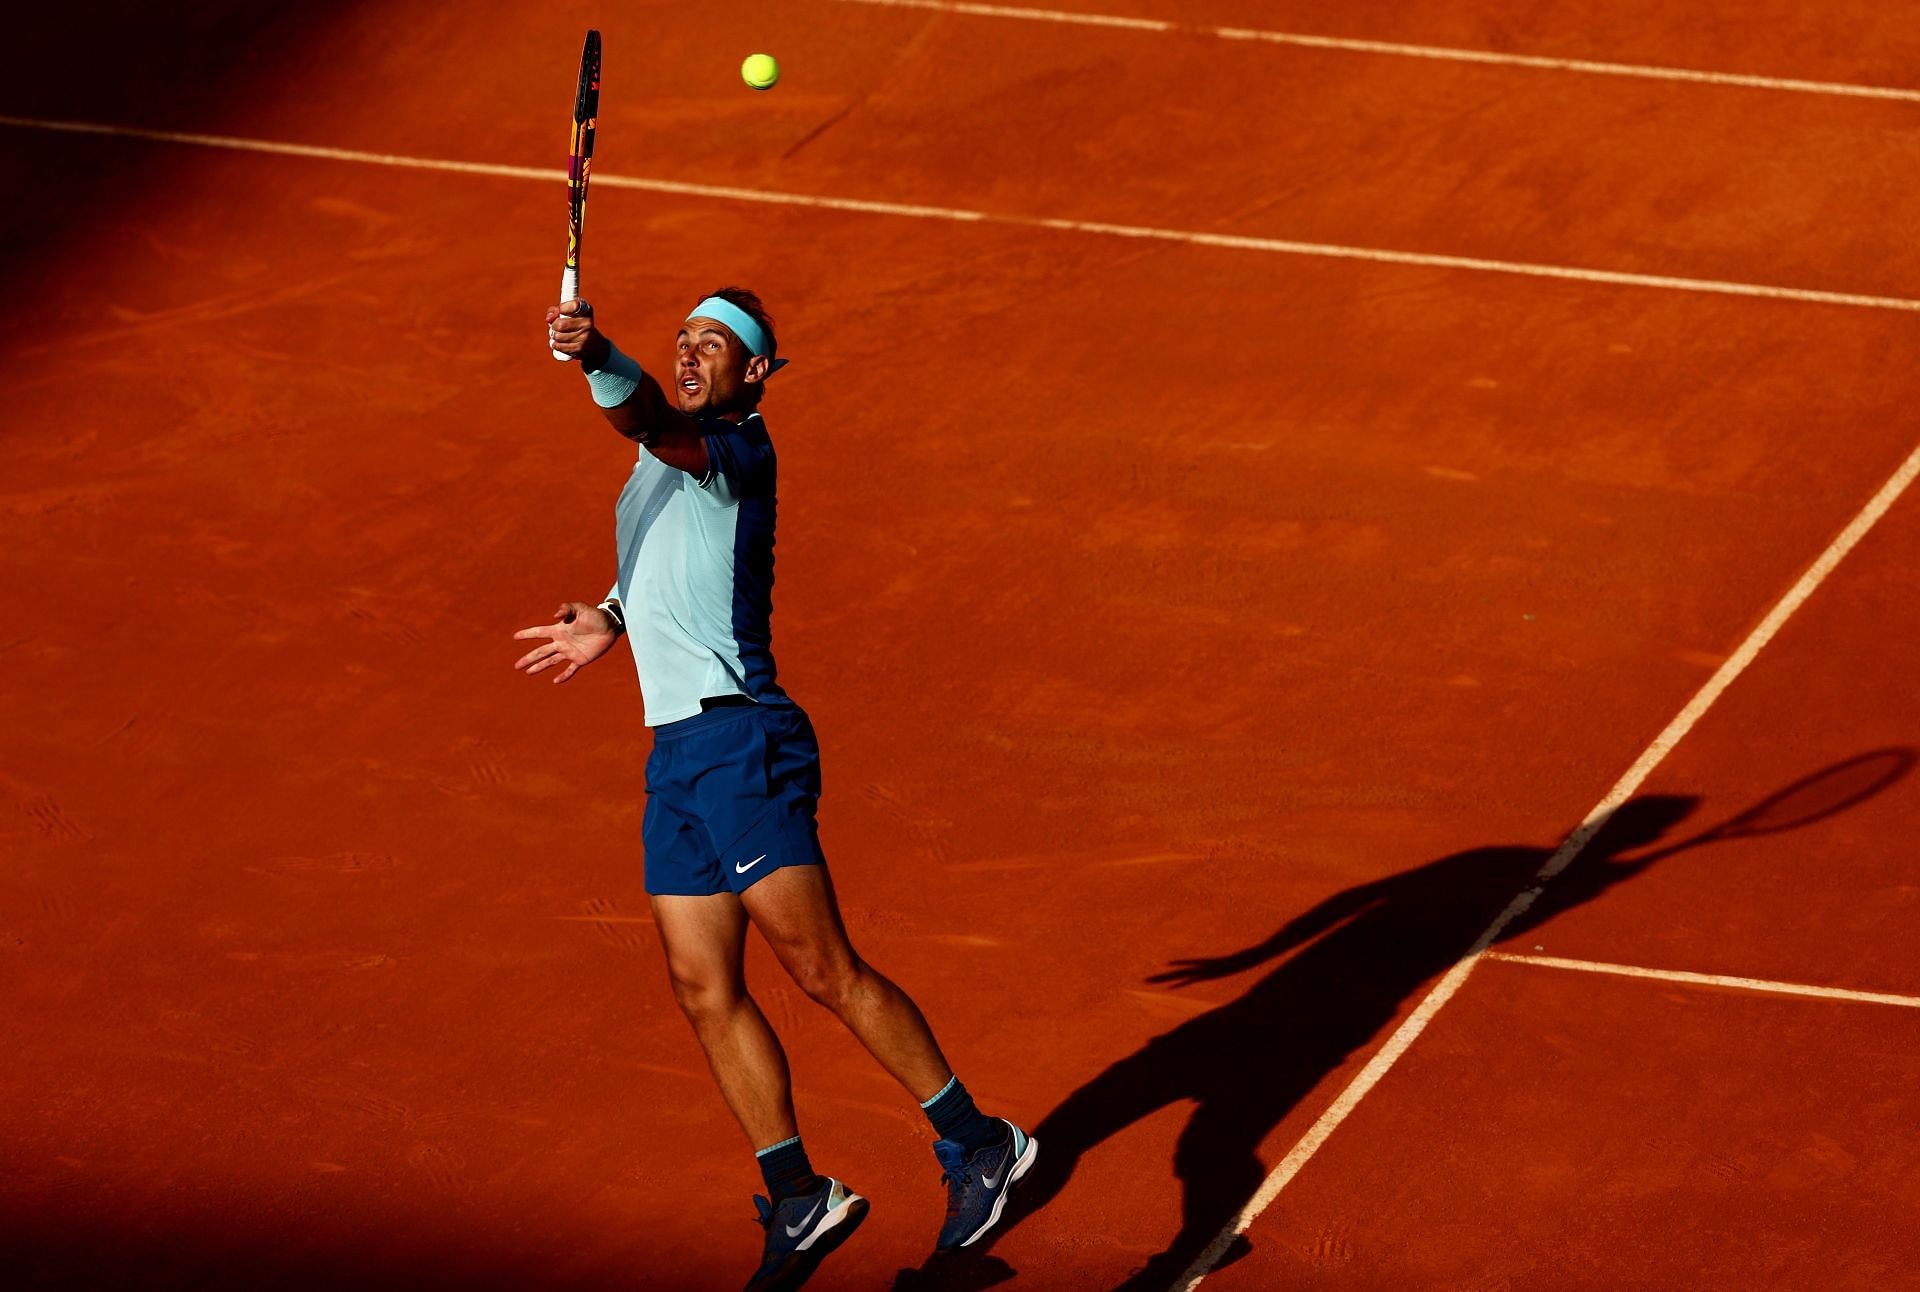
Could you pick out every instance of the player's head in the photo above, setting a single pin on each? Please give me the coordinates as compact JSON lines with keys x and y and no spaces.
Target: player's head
{"x":1642,"y":821}
{"x":724,"y":353}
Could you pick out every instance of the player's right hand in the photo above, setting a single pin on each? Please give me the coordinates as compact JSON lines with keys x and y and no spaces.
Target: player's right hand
{"x":570,"y":331}
{"x":580,"y":635}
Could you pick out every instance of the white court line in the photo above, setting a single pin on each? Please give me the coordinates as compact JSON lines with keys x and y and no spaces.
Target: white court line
{"x":1624,"y":789}
{"x":1230,"y":241}
{"x":1438,"y":52}
{"x":1710,"y":979}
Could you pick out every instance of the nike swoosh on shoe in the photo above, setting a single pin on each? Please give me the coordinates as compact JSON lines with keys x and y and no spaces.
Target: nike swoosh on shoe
{"x":793,"y":1231}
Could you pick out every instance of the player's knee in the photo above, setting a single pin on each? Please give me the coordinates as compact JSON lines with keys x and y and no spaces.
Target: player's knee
{"x":829,"y":979}
{"x":703,"y":994}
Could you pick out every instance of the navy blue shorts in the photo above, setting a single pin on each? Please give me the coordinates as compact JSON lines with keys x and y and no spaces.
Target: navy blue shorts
{"x":731,"y":797}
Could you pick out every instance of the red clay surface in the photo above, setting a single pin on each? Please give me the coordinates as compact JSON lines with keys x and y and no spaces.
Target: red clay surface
{"x":1581,"y":1131}
{"x":1621,"y":1135}
{"x":1148,"y":598}
{"x":1833,"y":903}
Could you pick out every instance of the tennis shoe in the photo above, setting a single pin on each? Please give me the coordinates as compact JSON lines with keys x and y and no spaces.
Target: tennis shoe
{"x":802,"y":1231}
{"x":978,"y":1183}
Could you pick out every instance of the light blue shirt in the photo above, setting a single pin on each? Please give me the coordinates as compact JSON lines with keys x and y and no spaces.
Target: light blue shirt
{"x":695,"y":577}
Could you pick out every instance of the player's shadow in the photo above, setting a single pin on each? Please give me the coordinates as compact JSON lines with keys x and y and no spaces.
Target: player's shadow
{"x":1351,"y":965}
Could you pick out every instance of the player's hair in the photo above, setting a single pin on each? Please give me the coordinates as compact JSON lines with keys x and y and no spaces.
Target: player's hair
{"x":751,"y":306}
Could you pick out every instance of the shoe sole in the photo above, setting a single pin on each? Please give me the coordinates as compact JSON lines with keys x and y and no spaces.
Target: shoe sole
{"x":1020,"y":1168}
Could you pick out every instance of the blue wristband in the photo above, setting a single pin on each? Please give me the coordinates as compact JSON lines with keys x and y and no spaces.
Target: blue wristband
{"x":614,"y":381}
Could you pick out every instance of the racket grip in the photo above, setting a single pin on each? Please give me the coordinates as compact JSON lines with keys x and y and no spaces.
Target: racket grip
{"x":569,"y":291}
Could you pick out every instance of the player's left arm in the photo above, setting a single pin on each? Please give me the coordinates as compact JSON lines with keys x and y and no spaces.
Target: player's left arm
{"x":640,"y":409}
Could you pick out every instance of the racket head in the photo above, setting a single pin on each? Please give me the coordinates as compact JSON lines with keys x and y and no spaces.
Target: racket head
{"x":586,"y":99}
{"x":586,"y":113}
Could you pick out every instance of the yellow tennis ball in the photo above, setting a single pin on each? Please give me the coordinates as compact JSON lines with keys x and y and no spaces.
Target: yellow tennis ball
{"x":760,"y":71}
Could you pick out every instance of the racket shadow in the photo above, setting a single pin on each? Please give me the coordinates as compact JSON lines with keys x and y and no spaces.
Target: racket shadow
{"x":1807,"y":801}
{"x":1346,"y":970}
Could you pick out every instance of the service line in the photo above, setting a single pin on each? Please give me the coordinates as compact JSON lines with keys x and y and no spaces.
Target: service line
{"x":1396,"y":49}
{"x":1710,"y":979}
{"x":1624,"y":789}
{"x":1233,"y":242}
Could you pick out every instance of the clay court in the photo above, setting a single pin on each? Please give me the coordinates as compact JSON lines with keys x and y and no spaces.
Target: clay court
{"x":1262,"y":484}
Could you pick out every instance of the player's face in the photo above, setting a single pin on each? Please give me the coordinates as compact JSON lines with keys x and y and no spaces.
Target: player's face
{"x":710,"y":372}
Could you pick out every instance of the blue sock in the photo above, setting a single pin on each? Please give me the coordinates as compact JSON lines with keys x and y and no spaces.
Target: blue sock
{"x":954,"y":1117}
{"x":785,"y":1168}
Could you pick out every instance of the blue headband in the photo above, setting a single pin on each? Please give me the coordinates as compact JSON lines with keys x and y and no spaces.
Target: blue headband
{"x":741,"y":324}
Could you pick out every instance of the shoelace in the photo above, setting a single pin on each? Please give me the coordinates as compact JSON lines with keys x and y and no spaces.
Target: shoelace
{"x":957,"y":1186}
{"x":957,"y":1196}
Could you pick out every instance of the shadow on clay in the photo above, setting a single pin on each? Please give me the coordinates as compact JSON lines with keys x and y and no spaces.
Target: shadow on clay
{"x":1347,"y":968}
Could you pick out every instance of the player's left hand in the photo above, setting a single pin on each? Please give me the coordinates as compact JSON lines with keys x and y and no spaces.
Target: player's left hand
{"x":1185,"y":973}
{"x":570,"y":331}
{"x":582,"y":634}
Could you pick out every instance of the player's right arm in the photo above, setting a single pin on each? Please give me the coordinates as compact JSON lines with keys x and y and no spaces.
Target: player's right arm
{"x":646,"y":416}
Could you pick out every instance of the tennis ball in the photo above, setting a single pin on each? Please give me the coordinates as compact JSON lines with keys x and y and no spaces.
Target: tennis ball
{"x":760,"y":71}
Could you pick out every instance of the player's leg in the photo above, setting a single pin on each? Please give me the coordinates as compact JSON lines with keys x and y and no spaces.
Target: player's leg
{"x":702,"y":928}
{"x":762,"y":823}
{"x":981,"y":1157}
{"x":705,"y":943}
{"x":760,"y":819}
{"x":703,"y":931}
{"x":805,"y":1215}
{"x":795,"y":910}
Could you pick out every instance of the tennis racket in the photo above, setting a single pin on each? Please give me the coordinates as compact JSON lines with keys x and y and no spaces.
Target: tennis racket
{"x":586,"y":107}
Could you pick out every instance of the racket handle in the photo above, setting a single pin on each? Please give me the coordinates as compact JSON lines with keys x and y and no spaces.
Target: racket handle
{"x":569,"y":291}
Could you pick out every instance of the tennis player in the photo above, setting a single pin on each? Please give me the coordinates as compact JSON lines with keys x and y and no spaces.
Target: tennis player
{"x":734,"y":777}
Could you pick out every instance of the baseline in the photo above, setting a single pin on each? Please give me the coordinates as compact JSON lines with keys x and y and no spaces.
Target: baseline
{"x":1442,"y":53}
{"x":1575,"y":843}
{"x":1709,"y":979}
{"x":1234,"y":242}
